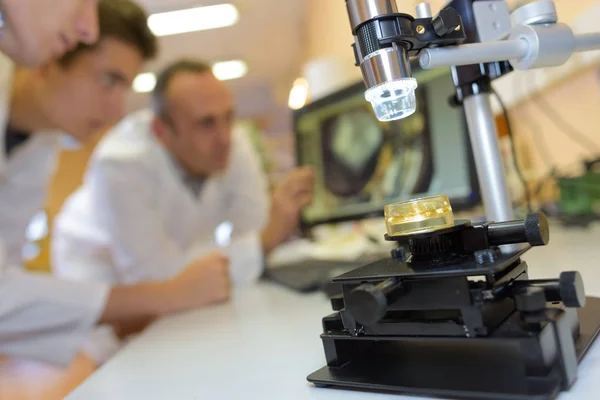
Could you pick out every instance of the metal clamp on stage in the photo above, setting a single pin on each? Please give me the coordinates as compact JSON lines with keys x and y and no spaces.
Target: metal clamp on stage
{"x":450,"y":314}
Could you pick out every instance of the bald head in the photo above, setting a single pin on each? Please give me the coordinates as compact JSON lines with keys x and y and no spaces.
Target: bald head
{"x":199,"y":96}
{"x":194,"y":118}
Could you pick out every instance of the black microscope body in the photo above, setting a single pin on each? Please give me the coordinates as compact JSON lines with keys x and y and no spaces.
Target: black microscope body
{"x":451,"y":314}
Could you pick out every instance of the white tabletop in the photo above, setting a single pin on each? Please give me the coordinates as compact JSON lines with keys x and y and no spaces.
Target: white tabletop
{"x":264,"y":343}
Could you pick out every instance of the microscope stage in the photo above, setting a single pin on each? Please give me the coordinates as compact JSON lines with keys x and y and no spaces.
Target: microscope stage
{"x":466,"y":368}
{"x":390,"y":268}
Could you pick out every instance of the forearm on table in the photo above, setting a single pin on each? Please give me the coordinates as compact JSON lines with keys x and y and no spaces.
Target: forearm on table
{"x":145,"y":300}
{"x":269,"y":240}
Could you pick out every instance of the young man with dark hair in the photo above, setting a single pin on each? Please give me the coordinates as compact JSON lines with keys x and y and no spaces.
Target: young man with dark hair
{"x":144,"y":213}
{"x":42,"y":317}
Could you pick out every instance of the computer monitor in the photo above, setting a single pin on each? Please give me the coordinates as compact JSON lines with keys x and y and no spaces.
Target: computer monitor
{"x":362,"y":164}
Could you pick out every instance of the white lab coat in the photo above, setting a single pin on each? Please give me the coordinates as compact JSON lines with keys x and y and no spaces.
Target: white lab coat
{"x":135,"y":220}
{"x":41,"y":317}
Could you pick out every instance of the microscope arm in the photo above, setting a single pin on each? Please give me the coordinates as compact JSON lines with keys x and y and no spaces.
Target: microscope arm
{"x":528,"y":47}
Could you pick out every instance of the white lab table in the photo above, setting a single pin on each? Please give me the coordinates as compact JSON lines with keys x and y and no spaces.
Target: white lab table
{"x":264,"y":343}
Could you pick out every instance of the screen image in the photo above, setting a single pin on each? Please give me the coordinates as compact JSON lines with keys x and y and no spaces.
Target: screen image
{"x":362,"y":164}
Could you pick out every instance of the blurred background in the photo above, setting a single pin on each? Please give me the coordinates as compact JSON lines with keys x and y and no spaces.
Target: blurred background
{"x":278,"y":56}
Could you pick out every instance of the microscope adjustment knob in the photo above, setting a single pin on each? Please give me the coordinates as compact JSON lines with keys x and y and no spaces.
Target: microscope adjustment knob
{"x":572,"y":292}
{"x":530,"y":299}
{"x":446,"y":22}
{"x":537,"y":230}
{"x":366,"y":304}
{"x":337,"y":302}
{"x":534,"y":229}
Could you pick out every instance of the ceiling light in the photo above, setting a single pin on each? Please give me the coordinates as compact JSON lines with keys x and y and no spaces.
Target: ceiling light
{"x":298,"y":94}
{"x":144,"y":83}
{"x":193,"y":19}
{"x":227,"y":70}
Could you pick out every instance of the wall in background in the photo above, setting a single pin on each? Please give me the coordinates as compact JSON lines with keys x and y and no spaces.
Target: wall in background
{"x":329,"y":58}
{"x":575,"y":100}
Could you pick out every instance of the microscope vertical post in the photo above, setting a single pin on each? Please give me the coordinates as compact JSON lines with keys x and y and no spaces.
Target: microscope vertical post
{"x":473,"y":86}
{"x":488,"y":161}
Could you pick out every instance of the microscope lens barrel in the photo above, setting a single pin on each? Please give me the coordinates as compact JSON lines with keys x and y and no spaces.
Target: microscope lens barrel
{"x":360,"y":11}
{"x":385,"y":66}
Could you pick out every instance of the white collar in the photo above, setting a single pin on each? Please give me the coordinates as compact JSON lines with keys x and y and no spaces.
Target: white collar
{"x":195,"y":184}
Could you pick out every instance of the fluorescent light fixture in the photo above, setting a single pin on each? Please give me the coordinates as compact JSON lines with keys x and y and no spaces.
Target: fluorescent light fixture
{"x":144,"y":83}
{"x":227,"y":70}
{"x":193,"y":19}
{"x":298,"y":94}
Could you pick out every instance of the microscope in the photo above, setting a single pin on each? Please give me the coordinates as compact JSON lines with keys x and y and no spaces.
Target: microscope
{"x":452,"y":312}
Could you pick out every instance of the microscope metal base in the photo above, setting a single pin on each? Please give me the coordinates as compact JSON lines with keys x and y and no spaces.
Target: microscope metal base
{"x":500,"y":368}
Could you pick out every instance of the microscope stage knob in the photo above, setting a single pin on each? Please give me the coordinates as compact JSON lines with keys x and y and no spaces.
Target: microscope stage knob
{"x":537,"y":230}
{"x":368,"y":303}
{"x":530,"y":299}
{"x":570,"y":286}
{"x":533,"y":230}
